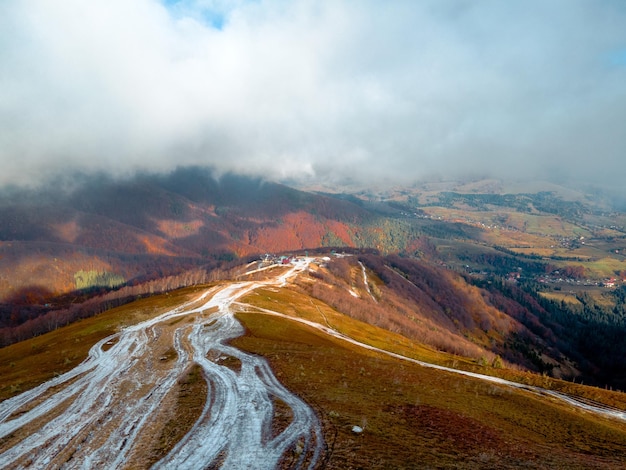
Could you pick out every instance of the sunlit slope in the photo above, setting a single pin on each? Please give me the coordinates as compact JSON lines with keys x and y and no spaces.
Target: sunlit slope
{"x":295,"y":301}
{"x":410,"y":416}
{"x":415,"y":417}
{"x":28,"y":363}
{"x":152,"y":226}
{"x":139,"y":399}
{"x":438,"y":307}
{"x":419,"y":418}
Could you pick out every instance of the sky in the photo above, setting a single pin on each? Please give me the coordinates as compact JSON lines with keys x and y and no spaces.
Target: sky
{"x":315,"y":90}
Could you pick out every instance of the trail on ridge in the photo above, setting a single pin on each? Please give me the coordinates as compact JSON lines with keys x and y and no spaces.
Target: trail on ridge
{"x":94,"y":415}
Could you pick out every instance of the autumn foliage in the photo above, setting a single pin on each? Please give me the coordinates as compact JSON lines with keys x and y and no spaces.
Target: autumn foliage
{"x":441,"y":308}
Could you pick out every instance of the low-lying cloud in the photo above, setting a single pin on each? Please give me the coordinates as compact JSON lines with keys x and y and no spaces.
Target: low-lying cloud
{"x":366,"y":90}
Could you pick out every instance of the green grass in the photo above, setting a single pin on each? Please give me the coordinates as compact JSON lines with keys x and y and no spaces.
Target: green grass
{"x":605,"y":267}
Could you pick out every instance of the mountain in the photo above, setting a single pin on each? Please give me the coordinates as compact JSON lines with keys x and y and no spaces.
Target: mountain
{"x":527,"y":274}
{"x":153,"y":226}
{"x":307,"y":380}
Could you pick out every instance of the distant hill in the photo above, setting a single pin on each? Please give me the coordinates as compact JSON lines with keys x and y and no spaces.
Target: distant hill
{"x":152,"y":226}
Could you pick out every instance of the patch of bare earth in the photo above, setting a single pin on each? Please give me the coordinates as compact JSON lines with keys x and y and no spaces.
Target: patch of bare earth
{"x":231,"y":362}
{"x":180,"y":409}
{"x":283,"y":415}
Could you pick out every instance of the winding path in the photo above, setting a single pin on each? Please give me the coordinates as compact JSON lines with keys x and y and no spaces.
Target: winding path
{"x":98,"y":414}
{"x":576,"y":402}
{"x":94,"y":415}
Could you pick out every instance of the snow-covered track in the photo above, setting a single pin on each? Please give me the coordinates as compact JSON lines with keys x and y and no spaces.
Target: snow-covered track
{"x":574,"y":401}
{"x":93,"y":416}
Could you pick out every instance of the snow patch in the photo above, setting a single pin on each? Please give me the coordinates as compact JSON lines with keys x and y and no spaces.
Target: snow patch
{"x":114,"y":394}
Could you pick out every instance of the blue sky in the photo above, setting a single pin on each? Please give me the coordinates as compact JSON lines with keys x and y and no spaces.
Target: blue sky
{"x":211,"y":13}
{"x":618,"y":57}
{"x":318,"y":90}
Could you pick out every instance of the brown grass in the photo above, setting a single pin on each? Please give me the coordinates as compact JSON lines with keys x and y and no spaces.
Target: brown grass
{"x":299,"y":305}
{"x":179,"y":413}
{"x":561,"y":297}
{"x":22,"y":433}
{"x":413,"y":417}
{"x":421,"y":418}
{"x":26,"y":364}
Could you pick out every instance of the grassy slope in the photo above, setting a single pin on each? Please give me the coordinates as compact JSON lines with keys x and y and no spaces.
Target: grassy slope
{"x":294,"y":302}
{"x":413,"y":417}
{"x":28,"y":363}
{"x":416,"y":417}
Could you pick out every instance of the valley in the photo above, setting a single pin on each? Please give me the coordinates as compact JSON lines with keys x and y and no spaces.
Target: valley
{"x":550,"y":259}
{"x":313,"y":235}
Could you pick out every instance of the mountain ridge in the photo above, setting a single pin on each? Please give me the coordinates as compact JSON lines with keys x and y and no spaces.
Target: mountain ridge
{"x":377,"y":405}
{"x":489,"y":252}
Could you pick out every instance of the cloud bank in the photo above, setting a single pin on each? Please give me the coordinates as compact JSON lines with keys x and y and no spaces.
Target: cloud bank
{"x":317,"y":89}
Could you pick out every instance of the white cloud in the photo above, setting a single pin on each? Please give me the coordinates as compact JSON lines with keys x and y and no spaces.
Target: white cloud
{"x":360,"y":89}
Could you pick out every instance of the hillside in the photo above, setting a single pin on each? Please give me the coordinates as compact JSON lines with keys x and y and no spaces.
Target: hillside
{"x":363,"y":398}
{"x":189,"y":217}
{"x":488,"y":321}
{"x":124,"y":232}
{"x":533,"y":275}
